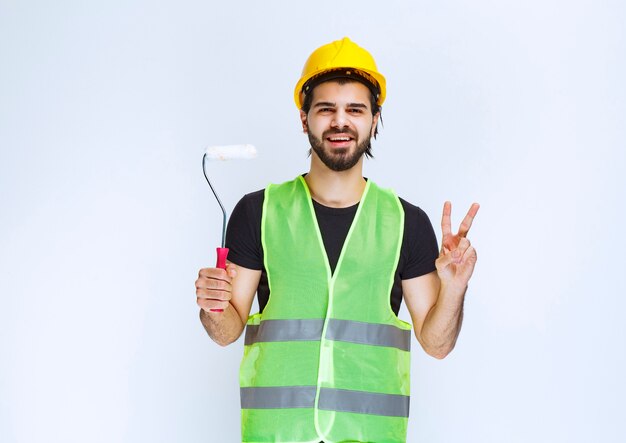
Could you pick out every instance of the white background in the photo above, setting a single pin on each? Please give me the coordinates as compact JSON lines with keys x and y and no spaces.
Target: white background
{"x":106,"y":108}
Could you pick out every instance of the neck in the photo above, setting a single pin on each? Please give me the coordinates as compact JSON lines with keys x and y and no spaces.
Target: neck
{"x":336,"y":189}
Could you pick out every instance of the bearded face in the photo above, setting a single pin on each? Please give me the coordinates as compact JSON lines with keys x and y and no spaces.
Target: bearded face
{"x":340,"y":124}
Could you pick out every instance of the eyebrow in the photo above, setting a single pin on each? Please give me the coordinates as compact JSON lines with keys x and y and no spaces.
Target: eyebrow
{"x":331,"y":104}
{"x":324,"y":104}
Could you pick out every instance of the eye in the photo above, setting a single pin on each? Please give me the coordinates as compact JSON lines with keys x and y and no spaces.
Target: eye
{"x":326,"y":110}
{"x":355,"y":111}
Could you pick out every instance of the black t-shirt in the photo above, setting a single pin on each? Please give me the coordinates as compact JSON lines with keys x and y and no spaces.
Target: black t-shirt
{"x":418,"y":252}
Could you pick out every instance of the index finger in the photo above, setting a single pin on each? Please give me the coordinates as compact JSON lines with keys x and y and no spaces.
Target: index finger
{"x":446,"y":226}
{"x":215,"y":274}
{"x":466,"y":224}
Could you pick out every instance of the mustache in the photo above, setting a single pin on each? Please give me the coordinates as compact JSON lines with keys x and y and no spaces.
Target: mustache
{"x":348,"y":131}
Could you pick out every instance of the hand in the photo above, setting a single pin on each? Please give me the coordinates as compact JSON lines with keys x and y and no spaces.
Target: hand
{"x":457,"y":258}
{"x":213,"y":288}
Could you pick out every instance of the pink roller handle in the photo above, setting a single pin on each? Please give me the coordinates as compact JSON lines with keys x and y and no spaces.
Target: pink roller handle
{"x":222,"y":254}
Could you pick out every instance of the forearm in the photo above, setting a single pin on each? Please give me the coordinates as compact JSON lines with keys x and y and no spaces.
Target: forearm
{"x":443,"y":323}
{"x":223,"y":327}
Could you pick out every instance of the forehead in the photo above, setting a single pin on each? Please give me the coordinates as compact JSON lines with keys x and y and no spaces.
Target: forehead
{"x":341,"y":93}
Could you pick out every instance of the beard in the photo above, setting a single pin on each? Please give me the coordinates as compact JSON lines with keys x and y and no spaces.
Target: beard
{"x":338,"y":159}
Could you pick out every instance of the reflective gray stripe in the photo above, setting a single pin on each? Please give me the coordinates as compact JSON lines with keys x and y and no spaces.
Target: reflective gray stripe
{"x":343,"y":400}
{"x":341,"y":330}
{"x":285,"y":330}
{"x":364,"y":402}
{"x":369,"y":334}
{"x":278,"y":397}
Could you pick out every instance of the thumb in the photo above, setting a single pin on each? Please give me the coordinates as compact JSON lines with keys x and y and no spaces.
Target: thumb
{"x":444,"y":261}
{"x":231,"y":270}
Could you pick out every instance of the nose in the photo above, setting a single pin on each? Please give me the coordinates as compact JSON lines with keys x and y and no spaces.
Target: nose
{"x":340,"y":119}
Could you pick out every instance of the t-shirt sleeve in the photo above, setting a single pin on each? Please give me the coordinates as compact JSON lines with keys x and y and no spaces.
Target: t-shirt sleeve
{"x":243,"y":236}
{"x":421,"y":243}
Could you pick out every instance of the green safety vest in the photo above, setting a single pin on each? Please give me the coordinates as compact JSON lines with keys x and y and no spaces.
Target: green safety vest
{"x":327,"y":359}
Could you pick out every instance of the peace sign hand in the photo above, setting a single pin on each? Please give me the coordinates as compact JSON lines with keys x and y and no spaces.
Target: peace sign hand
{"x":457,"y":258}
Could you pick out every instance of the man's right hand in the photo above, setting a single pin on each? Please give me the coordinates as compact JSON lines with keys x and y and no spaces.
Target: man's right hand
{"x":214,"y":288}
{"x":231,"y":291}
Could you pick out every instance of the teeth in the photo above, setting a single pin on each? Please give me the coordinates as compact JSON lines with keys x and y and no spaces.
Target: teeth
{"x":340,"y":139}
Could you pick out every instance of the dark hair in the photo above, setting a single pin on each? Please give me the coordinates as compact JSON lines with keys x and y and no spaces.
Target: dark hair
{"x":308,"y":101}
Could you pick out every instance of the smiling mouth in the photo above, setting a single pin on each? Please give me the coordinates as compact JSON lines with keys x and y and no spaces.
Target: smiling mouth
{"x":340,"y":140}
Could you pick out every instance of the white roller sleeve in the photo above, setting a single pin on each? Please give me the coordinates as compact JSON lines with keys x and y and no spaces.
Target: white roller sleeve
{"x":231,"y":152}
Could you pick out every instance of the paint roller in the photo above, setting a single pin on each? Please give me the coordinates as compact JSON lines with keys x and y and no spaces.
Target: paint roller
{"x":224,"y":153}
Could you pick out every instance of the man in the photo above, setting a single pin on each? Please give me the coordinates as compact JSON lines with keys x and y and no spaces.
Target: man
{"x":331,"y":256}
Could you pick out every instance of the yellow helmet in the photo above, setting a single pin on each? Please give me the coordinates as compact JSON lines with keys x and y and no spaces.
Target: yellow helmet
{"x":345,"y":58}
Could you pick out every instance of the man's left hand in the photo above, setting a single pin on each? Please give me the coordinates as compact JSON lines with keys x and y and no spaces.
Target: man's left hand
{"x":457,"y":258}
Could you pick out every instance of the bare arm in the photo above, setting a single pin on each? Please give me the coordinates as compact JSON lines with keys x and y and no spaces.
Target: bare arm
{"x":437,"y":313}
{"x":435,"y":300}
{"x":233,"y":291}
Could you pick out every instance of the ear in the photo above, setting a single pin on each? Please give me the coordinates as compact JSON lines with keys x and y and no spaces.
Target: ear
{"x":374,"y":124}
{"x":305,"y":126}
